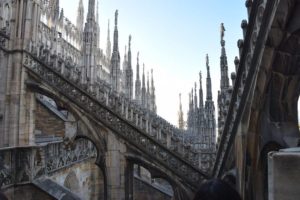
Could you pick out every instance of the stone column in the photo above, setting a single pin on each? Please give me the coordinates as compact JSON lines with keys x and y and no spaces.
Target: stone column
{"x":18,"y":101}
{"x":115,"y":168}
{"x":129,"y":181}
{"x":284,"y":174}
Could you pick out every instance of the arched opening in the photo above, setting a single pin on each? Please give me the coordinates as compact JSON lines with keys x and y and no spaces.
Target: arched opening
{"x":79,"y":172}
{"x":75,"y":145}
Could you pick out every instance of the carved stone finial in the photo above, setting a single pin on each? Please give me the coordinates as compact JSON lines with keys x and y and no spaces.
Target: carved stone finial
{"x":248,"y":3}
{"x":240,"y":43}
{"x":236,"y":60}
{"x":244,"y":24}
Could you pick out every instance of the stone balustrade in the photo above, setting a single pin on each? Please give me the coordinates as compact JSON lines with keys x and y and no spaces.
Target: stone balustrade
{"x":24,"y":164}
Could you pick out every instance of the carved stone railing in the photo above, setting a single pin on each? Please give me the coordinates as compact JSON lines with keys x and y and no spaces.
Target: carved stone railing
{"x":24,"y":164}
{"x":119,"y":115}
{"x":251,"y":50}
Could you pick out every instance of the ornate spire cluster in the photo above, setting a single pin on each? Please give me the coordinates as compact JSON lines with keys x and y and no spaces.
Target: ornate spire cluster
{"x":201,"y":123}
{"x":97,"y":65}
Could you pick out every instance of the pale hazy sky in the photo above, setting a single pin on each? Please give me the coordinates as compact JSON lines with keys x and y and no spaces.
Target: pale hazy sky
{"x":173,"y":37}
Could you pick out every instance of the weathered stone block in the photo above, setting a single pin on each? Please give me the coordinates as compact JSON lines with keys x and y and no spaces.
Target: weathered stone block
{"x":284,"y":174}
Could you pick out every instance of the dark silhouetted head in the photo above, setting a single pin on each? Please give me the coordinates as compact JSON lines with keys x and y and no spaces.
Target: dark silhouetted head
{"x":2,"y":196}
{"x":216,"y":190}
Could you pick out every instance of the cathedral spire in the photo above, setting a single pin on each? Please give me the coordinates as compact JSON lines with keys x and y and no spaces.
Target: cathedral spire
{"x":129,"y":52}
{"x":125,"y":59}
{"x":124,"y":67}
{"x":116,"y":35}
{"x":80,"y":16}
{"x":200,"y":91}
{"x":91,"y":10}
{"x":208,"y":81}
{"x":195,"y":97}
{"x":138,"y":81}
{"x":108,"y":43}
{"x":148,"y":92}
{"x":56,"y":14}
{"x":97,"y":12}
{"x":153,"y":101}
{"x":143,"y":87}
{"x":115,"y":59}
{"x":180,"y":115}
{"x":98,"y":25}
{"x":223,"y":62}
{"x":128,"y":72}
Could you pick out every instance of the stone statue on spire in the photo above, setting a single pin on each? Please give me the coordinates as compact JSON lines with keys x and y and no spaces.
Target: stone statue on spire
{"x":222,"y":31}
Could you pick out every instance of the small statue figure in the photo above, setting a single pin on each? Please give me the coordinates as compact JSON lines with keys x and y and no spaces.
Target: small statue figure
{"x":222,"y":30}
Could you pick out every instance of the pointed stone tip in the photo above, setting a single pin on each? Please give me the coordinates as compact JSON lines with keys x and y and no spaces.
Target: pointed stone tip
{"x":207,"y":60}
{"x":129,"y":42}
{"x":116,"y":17}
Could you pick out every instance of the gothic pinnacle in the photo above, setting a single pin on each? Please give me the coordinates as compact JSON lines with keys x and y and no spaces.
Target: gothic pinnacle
{"x":91,"y":10}
{"x":129,"y":43}
{"x":208,"y":81}
{"x":116,"y":18}
{"x":137,"y":67}
{"x":223,"y":62}
{"x":116,"y":45}
{"x":200,"y":91}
